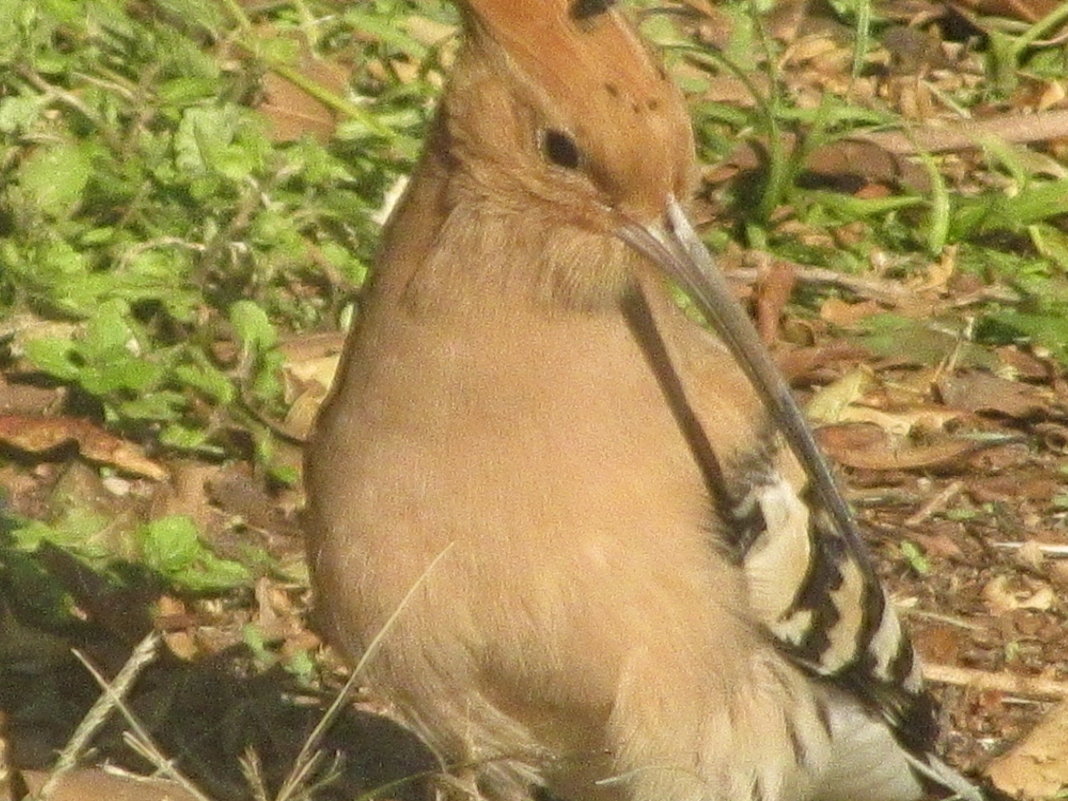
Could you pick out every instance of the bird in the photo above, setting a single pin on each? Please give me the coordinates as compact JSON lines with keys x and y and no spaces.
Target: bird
{"x":585,"y":546}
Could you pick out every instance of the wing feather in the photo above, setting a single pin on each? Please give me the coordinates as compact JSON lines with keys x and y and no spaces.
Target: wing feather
{"x":815,"y":591}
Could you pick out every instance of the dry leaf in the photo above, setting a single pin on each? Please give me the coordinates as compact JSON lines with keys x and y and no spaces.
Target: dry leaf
{"x":1058,"y":574}
{"x":1027,"y":10}
{"x":428,"y":31}
{"x":1000,"y":598}
{"x":307,"y":385}
{"x":18,"y":398}
{"x":94,"y":784}
{"x":1025,"y":365}
{"x":238,"y":492}
{"x":1054,"y":436}
{"x":179,"y":626}
{"x":1021,"y":484}
{"x":940,"y":644}
{"x":291,"y":110}
{"x":845,"y":315}
{"x":308,"y":372}
{"x":804,"y":362}
{"x":1030,"y":556}
{"x":773,"y":290}
{"x":939,"y":544}
{"x":902,"y":422}
{"x":828,"y":404}
{"x":977,"y":391}
{"x":42,"y":434}
{"x":859,"y":161}
{"x":1037,"y":766}
{"x":182,"y":644}
{"x":868,"y":447}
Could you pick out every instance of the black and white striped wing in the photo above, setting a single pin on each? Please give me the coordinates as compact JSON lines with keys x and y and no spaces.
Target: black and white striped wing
{"x":814,"y":589}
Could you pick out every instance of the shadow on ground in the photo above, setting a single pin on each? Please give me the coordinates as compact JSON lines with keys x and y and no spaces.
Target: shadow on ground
{"x":206,"y":719}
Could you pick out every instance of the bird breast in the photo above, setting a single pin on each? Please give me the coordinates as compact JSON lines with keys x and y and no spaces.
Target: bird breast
{"x":576,"y":537}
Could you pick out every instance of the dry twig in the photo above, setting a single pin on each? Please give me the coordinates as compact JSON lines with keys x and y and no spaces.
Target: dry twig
{"x":142,"y":656}
{"x":1009,"y":683}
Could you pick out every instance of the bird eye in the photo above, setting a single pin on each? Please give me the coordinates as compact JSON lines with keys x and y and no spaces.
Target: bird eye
{"x":560,"y":149}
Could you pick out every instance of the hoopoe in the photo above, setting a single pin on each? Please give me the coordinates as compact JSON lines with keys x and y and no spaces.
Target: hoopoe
{"x":595,"y":546}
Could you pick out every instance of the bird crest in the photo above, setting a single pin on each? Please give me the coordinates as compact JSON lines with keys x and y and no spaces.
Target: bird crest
{"x":577,"y":49}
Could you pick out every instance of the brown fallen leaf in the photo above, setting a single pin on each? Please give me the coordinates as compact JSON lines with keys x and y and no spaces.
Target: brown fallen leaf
{"x":787,"y":18}
{"x":867,"y":447}
{"x":773,"y":291}
{"x":901,"y":422}
{"x":19,"y":398}
{"x":1054,"y":436}
{"x":844,"y":314}
{"x":95,"y":784}
{"x":40,"y":435}
{"x":800,"y":365}
{"x":863,"y":161}
{"x":1037,"y":766}
{"x":308,"y":372}
{"x":307,"y":385}
{"x":1021,"y":484}
{"x":427,"y":31}
{"x":290,"y":103}
{"x":938,"y":643}
{"x":941,"y":545}
{"x":239,"y":492}
{"x":1025,"y":365}
{"x":1058,"y":574}
{"x":185,"y":494}
{"x":979,"y":391}
{"x":997,"y":684}
{"x":1027,"y":10}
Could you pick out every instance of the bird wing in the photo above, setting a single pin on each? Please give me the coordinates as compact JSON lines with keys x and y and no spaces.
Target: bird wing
{"x":814,"y":589}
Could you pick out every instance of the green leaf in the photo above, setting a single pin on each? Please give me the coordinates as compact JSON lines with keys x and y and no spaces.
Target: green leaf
{"x":53,"y":356}
{"x":252,"y":326}
{"x":55,"y":178}
{"x":918,"y":341}
{"x":171,"y":546}
{"x":851,"y":208}
{"x":206,"y":378}
{"x":108,"y":331}
{"x":197,"y":12}
{"x":184,"y":438}
{"x":916,"y":558}
{"x":161,"y":405}
{"x":217,"y":139}
{"x":1049,"y":329}
{"x":17,"y":114}
{"x":284,"y":474}
{"x":385,"y":29}
{"x":1051,"y":242}
{"x":185,"y":90}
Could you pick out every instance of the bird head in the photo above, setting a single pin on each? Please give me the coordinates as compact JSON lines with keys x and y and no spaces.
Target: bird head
{"x":560,"y":102}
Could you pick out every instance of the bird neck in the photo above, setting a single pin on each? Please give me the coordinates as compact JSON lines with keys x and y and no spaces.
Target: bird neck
{"x":453,"y":244}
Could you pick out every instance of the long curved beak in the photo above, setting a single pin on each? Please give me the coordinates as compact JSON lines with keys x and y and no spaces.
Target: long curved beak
{"x":675,"y":247}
